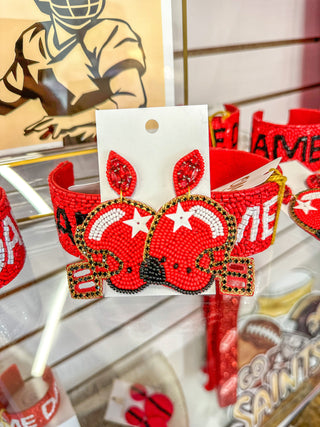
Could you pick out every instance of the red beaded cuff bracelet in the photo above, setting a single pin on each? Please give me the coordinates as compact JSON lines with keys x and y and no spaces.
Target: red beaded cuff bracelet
{"x":12,"y":250}
{"x":224,"y":127}
{"x":70,"y":208}
{"x":39,"y":414}
{"x":297,"y":140}
{"x":255,"y":208}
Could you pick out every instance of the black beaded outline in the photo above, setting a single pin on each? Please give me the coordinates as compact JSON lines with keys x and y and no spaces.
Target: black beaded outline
{"x":126,"y":291}
{"x":87,"y":251}
{"x":249,"y":276}
{"x":313,"y":231}
{"x":73,"y":282}
{"x":187,"y":292}
{"x":182,"y":291}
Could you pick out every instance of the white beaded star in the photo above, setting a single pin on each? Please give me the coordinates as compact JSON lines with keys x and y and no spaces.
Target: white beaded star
{"x":180,"y":218}
{"x":305,"y":206}
{"x":138,"y":223}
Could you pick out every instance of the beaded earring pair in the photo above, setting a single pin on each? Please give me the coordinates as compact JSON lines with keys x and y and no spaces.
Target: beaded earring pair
{"x":185,"y":245}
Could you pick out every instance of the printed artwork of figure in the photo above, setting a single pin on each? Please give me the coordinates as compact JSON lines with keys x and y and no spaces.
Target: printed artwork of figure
{"x":74,"y":63}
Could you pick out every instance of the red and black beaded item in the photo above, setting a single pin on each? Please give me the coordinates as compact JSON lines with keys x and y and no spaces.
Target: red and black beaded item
{"x":224,"y":127}
{"x":299,"y":139}
{"x":157,"y":408}
{"x":12,"y":250}
{"x":190,"y":241}
{"x":256,"y":211}
{"x":304,"y":209}
{"x":112,"y":239}
{"x":70,"y":207}
{"x":313,"y":180}
{"x":254,"y":208}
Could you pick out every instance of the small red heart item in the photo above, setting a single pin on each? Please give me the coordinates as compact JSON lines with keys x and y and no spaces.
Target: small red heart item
{"x":135,"y":416}
{"x":138,"y":392}
{"x":304,"y":209}
{"x":313,"y":180}
{"x":159,"y":405}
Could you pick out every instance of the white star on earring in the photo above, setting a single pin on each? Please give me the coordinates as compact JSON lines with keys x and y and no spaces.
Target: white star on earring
{"x":305,"y":206}
{"x":138,"y":223}
{"x":180,"y":218}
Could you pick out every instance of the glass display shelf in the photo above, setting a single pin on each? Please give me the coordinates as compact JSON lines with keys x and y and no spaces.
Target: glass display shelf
{"x":156,"y":340}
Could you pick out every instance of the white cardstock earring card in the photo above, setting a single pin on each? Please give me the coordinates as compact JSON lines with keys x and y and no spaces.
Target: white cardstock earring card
{"x":153,"y":140}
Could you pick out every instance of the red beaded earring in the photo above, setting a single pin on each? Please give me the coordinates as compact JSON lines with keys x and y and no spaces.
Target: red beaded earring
{"x":112,"y":238}
{"x":190,"y":240}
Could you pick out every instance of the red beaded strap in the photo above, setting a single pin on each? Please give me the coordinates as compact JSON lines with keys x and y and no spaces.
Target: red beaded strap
{"x":254,"y":208}
{"x":39,"y":414}
{"x":223,"y":127}
{"x":297,"y":140}
{"x":70,"y":208}
{"x":12,"y":250}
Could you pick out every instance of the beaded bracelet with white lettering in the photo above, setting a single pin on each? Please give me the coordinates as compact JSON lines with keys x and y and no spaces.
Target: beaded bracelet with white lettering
{"x":256,"y":209}
{"x":37,"y":415}
{"x":12,"y":250}
{"x":297,"y":140}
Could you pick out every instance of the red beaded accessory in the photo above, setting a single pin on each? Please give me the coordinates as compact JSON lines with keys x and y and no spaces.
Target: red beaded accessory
{"x":112,"y":239}
{"x":190,"y":241}
{"x":224,"y":127}
{"x":297,"y":140}
{"x":221,"y":332}
{"x":313,"y":180}
{"x":39,"y":414}
{"x":256,"y":209}
{"x":188,"y":172}
{"x":253,"y":208}
{"x":12,"y":250}
{"x":158,"y":405}
{"x":138,"y":392}
{"x":304,"y":209}
{"x":157,"y":408}
{"x":70,"y":208}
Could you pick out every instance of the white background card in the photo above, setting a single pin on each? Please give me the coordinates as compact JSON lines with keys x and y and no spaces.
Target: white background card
{"x":153,"y":155}
{"x":256,"y":177}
